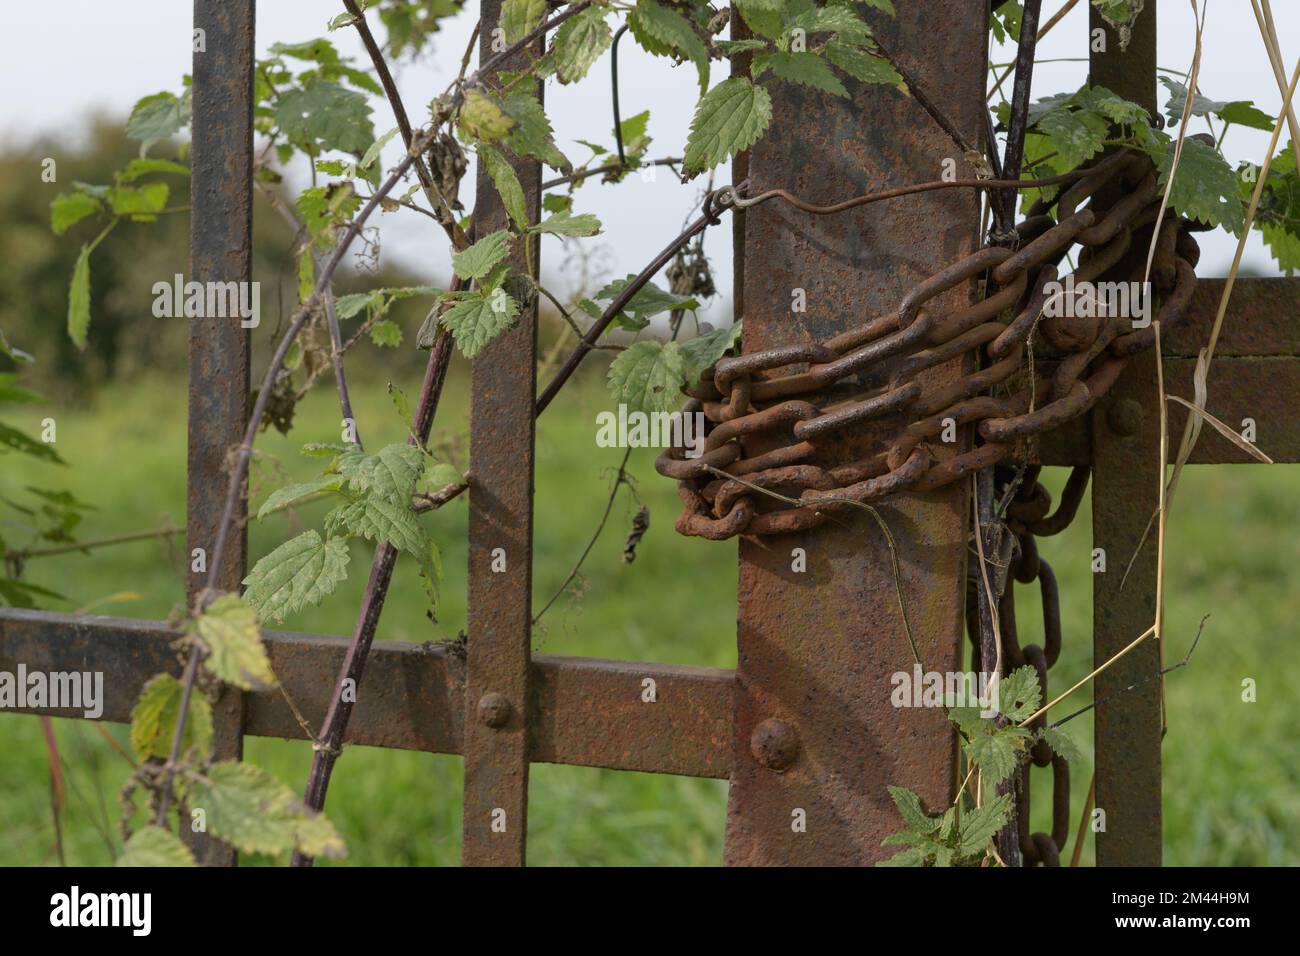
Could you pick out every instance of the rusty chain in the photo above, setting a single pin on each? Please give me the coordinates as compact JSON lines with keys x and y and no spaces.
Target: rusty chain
{"x":793,"y":401}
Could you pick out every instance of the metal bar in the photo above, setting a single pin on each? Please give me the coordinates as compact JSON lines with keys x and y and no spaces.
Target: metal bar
{"x":816,"y":740}
{"x":583,"y":712}
{"x":504,"y":390}
{"x":1125,"y":493}
{"x":221,"y":243}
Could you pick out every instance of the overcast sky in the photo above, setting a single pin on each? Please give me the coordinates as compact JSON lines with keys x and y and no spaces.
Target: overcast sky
{"x":62,"y":59}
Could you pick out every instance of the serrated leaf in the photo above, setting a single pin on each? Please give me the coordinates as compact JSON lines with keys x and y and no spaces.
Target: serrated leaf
{"x":282,"y":498}
{"x":806,"y":69}
{"x":864,"y":66}
{"x":140,"y":203}
{"x":909,"y":808}
{"x":79,"y":300}
{"x":1244,"y":113}
{"x":386,"y":334}
{"x":1076,"y":135}
{"x":507,"y":184}
{"x":324,"y":115}
{"x":981,"y":824}
{"x":481,"y":118}
{"x":1205,"y":186}
{"x":830,"y":19}
{"x":1019,"y":694}
{"x":565,"y":224}
{"x":153,"y":846}
{"x":141,"y":167}
{"x":440,"y":474}
{"x":968,"y":720}
{"x":531,"y":134}
{"x":479,"y":259}
{"x":995,"y":755}
{"x":476,"y":320}
{"x":376,"y":148}
{"x":256,"y":813}
{"x":378,"y":519}
{"x":389,"y":473}
{"x":662,"y":31}
{"x":228,"y":629}
{"x":579,"y":43}
{"x":158,"y":117}
{"x":912,"y":856}
{"x":728,"y":119}
{"x":68,"y":209}
{"x":153,"y":720}
{"x":301,"y":572}
{"x":648,"y":376}
{"x":1062,"y":743}
{"x":704,"y":350}
{"x":521,"y":17}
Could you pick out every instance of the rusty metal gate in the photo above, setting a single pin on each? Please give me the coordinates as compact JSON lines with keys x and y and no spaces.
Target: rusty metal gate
{"x":804,"y":722}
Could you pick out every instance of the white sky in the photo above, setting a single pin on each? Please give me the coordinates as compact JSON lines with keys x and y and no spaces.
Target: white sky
{"x":61,"y":59}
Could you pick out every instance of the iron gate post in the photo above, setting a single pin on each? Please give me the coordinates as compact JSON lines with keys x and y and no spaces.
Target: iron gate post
{"x":221,"y":250}
{"x":816,"y":740}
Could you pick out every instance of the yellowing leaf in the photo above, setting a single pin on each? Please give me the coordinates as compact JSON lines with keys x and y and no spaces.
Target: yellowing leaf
{"x":228,"y":630}
{"x":153,"y":719}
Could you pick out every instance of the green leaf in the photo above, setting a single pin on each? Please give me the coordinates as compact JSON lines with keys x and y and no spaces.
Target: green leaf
{"x":531,"y":134}
{"x":301,"y":572}
{"x":909,"y":808}
{"x":142,"y":167}
{"x":476,"y":320}
{"x":1240,"y":112}
{"x":68,"y":209}
{"x":648,"y":376}
{"x":389,"y":473}
{"x":564,"y":224}
{"x":661,"y":31}
{"x":1062,"y":743}
{"x":1205,"y":186}
{"x":153,"y":720}
{"x":728,"y":119}
{"x":913,"y":856}
{"x":969,"y":721}
{"x":1018,"y":694}
{"x":481,"y":118}
{"x":520,"y":17}
{"x":158,"y":117}
{"x":864,"y":66}
{"x":386,"y":334}
{"x":1076,"y":135}
{"x":140,"y":203}
{"x":981,"y":824}
{"x":995,"y":754}
{"x":830,"y":19}
{"x":79,"y":300}
{"x":735,"y":47}
{"x":806,"y":69}
{"x":649,"y":300}
{"x":324,"y":115}
{"x":440,"y":474}
{"x":479,"y":259}
{"x":282,"y":498}
{"x":15,"y":440}
{"x":17,"y":355}
{"x":376,"y":148}
{"x":256,"y":813}
{"x":228,"y":629}
{"x":153,"y":846}
{"x":579,"y":43}
{"x":1243,"y":113}
{"x":704,"y":350}
{"x":507,"y":185}
{"x":378,"y":519}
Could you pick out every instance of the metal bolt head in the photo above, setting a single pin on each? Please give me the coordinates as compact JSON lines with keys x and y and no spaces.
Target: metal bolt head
{"x":494,"y":710}
{"x":774,"y":744}
{"x":1125,"y":417}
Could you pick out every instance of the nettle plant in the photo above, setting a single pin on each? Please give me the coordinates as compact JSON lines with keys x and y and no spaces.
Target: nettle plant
{"x":315,"y":111}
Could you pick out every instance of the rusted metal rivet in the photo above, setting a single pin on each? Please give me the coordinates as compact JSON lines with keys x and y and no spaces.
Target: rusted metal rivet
{"x":1124,"y":417}
{"x":494,"y":710}
{"x":774,"y":744}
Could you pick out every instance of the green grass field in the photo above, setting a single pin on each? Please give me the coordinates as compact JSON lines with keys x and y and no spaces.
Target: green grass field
{"x":1231,"y":769}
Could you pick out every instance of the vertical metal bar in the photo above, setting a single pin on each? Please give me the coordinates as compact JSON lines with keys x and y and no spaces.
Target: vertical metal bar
{"x":1125,"y":493}
{"x":220,"y":251}
{"x":817,"y":741}
{"x":221,"y":243}
{"x":504,"y":386}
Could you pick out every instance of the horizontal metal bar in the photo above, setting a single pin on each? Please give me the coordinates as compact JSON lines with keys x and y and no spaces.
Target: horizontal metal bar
{"x":583,"y":711}
{"x":1264,"y":389}
{"x":1260,"y":320}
